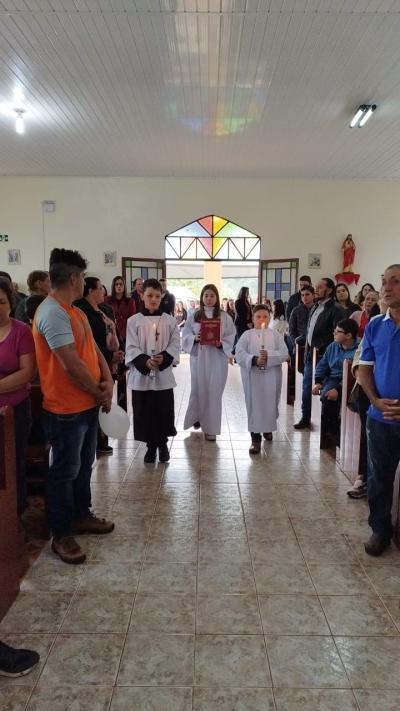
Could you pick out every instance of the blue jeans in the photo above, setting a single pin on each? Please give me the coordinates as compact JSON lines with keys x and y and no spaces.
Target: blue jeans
{"x":73,"y":440}
{"x":383,"y":459}
{"x":307,"y":387}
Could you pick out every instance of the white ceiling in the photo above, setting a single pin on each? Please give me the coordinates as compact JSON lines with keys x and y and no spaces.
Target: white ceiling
{"x":235,"y":88}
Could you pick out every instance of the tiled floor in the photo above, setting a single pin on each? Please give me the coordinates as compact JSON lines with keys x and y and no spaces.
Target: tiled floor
{"x":229,"y":583}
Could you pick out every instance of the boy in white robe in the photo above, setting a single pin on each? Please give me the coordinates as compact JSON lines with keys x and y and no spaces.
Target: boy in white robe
{"x":260,"y":353}
{"x":208,"y":364}
{"x":152,"y":346}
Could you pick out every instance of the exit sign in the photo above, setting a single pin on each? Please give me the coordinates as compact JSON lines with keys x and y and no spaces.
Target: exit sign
{"x":3,"y":238}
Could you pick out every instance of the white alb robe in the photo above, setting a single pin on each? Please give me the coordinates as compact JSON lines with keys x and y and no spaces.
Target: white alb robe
{"x":141,"y":337}
{"x":262,"y":388}
{"x":208,"y":372}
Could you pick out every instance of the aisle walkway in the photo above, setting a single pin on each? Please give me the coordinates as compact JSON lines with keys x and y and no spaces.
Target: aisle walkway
{"x":229,"y":583}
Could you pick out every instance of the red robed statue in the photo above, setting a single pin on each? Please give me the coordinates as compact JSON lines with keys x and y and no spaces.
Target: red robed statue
{"x":349,"y":253}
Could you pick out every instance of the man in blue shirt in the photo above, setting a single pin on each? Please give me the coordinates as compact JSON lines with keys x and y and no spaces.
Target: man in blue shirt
{"x":379,"y":376}
{"x":329,"y":376}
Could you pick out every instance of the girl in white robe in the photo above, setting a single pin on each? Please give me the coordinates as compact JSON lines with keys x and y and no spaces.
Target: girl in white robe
{"x":260,"y":353}
{"x":208,"y":364}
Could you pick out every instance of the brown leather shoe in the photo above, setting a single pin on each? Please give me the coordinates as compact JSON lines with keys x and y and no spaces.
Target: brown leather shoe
{"x":255,"y":447}
{"x":68,"y":549}
{"x":92,"y":524}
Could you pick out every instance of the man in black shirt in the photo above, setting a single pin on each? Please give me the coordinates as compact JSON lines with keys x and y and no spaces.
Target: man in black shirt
{"x":167,"y":305}
{"x":295,"y":299}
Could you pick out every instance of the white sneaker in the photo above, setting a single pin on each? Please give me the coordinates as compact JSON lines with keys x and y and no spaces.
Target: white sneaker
{"x":210,"y":438}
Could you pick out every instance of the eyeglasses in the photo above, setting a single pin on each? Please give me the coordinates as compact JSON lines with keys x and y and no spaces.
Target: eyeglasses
{"x":339,"y":330}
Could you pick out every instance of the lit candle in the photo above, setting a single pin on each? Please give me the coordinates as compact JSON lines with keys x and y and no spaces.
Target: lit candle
{"x":154,"y":338}
{"x":262,"y":334}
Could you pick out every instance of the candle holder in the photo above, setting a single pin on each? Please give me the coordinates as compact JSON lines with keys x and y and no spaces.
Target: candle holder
{"x":262,"y":351}
{"x":152,"y":373}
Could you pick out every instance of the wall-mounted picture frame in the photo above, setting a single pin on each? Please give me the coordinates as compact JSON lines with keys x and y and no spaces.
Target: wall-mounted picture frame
{"x":315,"y":261}
{"x":110,"y":259}
{"x":14,"y":256}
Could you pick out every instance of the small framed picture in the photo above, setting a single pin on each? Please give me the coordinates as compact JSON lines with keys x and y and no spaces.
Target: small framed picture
{"x":314,"y":261}
{"x":110,"y":259}
{"x":14,"y":256}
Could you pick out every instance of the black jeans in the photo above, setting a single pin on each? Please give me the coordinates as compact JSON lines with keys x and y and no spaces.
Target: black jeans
{"x":383,"y":460}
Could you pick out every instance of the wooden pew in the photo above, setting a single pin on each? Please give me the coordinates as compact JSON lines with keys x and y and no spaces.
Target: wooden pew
{"x":350,"y":428}
{"x":37,"y":459}
{"x":11,"y":544}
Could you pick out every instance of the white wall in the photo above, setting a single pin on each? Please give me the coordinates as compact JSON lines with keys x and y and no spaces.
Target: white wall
{"x":132,"y":216}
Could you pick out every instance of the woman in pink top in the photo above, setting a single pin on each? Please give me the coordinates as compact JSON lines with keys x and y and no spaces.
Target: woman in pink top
{"x":17,"y":369}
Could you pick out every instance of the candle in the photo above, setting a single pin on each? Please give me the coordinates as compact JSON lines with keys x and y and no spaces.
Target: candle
{"x":262,"y":334}
{"x":154,"y":338}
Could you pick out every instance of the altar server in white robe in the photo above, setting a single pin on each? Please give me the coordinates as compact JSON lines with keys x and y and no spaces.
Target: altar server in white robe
{"x":260,"y":353}
{"x":152,"y":346}
{"x":208,"y":364}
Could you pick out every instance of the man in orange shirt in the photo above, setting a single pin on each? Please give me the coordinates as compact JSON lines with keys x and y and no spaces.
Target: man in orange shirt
{"x":75,"y":381}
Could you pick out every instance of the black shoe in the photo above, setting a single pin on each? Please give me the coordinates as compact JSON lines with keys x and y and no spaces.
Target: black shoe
{"x":16,"y":662}
{"x":196,"y":425}
{"x":150,"y":455}
{"x":163,"y":453}
{"x":104,"y":449}
{"x":268,"y":436}
{"x":302,"y":424}
{"x":377,"y":544}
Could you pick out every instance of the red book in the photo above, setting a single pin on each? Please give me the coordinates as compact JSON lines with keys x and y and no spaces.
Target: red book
{"x":210,"y":332}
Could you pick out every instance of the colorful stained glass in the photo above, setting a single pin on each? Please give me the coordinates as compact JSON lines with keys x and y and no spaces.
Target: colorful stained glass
{"x":185,"y":244}
{"x":223,"y":252}
{"x":207,"y":223}
{"x":212,"y":237}
{"x":217,"y":244}
{"x":192,"y":230}
{"x":218,"y":223}
{"x":207,"y":243}
{"x":202,"y":253}
{"x":232,"y":230}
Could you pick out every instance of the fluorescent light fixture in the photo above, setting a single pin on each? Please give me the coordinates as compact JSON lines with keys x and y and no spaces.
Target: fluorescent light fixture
{"x":367,"y":115}
{"x":19,"y":121}
{"x":363,"y":113}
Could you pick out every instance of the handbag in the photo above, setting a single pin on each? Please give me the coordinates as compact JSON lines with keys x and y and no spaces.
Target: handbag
{"x":354,"y":398}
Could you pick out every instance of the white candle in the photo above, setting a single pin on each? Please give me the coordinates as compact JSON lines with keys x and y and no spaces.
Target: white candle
{"x":154,"y":338}
{"x":262,"y":334}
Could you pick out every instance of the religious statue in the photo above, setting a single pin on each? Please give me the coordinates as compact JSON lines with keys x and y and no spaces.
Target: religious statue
{"x":349,"y":251}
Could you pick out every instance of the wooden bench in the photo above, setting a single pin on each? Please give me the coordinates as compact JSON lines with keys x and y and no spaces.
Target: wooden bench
{"x":12,"y":563}
{"x":37,"y":460}
{"x":350,"y":428}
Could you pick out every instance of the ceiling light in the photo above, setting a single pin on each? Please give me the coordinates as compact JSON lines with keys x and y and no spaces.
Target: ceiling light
{"x":363,"y":113}
{"x":19,"y":121}
{"x":367,"y":115}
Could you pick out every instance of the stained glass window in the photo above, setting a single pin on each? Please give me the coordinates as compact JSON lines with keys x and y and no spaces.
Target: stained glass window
{"x":279,"y":278}
{"x":212,"y":237}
